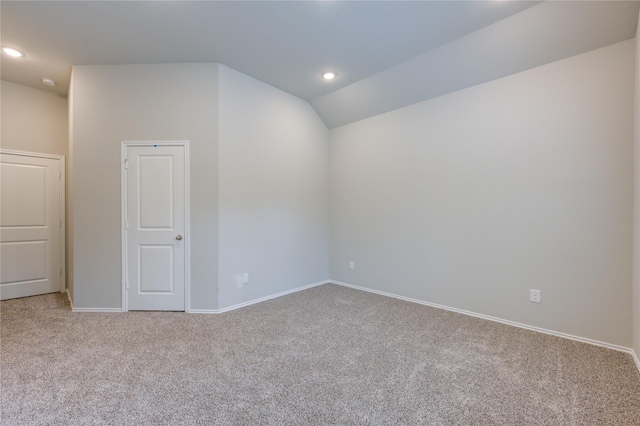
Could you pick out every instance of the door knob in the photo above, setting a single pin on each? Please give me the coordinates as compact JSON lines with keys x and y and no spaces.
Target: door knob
{"x":178,"y":237}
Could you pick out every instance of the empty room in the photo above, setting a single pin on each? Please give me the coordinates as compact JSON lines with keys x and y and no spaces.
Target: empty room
{"x":320,"y":212}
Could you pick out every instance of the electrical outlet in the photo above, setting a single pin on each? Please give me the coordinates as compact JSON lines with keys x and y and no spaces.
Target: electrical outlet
{"x":534,"y":296}
{"x":352,"y":264}
{"x":245,"y":278}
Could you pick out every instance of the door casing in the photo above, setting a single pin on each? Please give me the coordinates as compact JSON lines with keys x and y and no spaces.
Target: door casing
{"x":123,"y":192}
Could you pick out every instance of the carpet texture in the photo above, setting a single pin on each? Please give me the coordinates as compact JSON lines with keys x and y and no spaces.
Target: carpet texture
{"x":325,"y":356}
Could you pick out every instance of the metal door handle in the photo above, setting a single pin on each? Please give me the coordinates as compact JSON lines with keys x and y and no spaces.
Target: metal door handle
{"x":178,"y":237}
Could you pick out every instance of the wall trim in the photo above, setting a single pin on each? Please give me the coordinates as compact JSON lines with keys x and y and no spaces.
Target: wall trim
{"x":630,"y":351}
{"x":97,"y":310}
{"x":495,"y":319}
{"x":255,"y":301}
{"x":69,"y":298}
{"x":32,"y":154}
{"x":635,"y":359}
{"x":203,"y":311}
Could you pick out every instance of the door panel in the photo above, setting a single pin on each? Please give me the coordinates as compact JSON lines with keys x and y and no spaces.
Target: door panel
{"x":24,"y":261}
{"x":156,"y":192}
{"x":24,"y":190}
{"x":156,"y":224}
{"x":30,"y":225}
{"x":156,"y":269}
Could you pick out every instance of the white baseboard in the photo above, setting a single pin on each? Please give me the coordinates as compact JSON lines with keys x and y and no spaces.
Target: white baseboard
{"x":203,"y":311}
{"x":500,"y":320}
{"x":635,"y":358}
{"x":89,"y":309}
{"x":97,"y":310}
{"x":253,"y":302}
{"x":69,"y":298}
{"x":395,"y":296}
{"x":213,"y":311}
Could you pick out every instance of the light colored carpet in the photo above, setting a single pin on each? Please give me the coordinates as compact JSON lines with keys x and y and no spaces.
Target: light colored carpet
{"x":327,"y":356}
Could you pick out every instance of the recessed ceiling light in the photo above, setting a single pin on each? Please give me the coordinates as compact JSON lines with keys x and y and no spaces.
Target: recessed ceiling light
{"x":48,"y":82}
{"x":13,"y":52}
{"x":329,"y":75}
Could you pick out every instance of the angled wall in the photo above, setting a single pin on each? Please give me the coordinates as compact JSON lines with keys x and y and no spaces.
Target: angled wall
{"x":473,"y":198}
{"x":538,"y":35}
{"x":274,"y":222}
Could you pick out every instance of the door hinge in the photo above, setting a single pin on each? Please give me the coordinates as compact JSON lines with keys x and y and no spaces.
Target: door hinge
{"x":126,"y":224}
{"x":60,"y":224}
{"x":126,"y":163}
{"x":127,"y":285}
{"x":60,"y":272}
{"x":59,"y":174}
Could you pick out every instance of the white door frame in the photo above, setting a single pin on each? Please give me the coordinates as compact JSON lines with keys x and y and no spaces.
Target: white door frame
{"x":123,"y":225}
{"x":62,"y":208}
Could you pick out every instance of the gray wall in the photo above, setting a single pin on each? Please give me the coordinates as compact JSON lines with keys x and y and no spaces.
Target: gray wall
{"x":33,"y":120}
{"x":273,"y":191}
{"x":467,"y":200}
{"x":471,"y":199}
{"x":259,"y":178}
{"x":110,"y":104}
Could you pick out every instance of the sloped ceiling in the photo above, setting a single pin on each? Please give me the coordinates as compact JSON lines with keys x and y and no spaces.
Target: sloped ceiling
{"x":388,"y":54}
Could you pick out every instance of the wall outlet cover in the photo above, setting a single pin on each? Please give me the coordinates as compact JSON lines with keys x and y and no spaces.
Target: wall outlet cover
{"x":534,"y":296}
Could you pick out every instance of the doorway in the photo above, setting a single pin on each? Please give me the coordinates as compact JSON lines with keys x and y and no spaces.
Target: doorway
{"x":32,"y":224}
{"x":155,"y":225}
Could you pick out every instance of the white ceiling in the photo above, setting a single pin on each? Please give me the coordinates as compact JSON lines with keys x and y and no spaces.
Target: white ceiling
{"x":387,"y":54}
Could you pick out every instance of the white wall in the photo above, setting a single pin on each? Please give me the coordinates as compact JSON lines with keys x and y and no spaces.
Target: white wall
{"x":471,"y":199}
{"x":33,"y":120}
{"x":139,"y":102}
{"x":273,"y":191}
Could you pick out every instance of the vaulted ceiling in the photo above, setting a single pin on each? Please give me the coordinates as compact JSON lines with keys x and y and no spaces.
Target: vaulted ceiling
{"x":388,"y":54}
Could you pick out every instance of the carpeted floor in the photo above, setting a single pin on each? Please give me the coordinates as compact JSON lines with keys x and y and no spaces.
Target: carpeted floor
{"x":325,"y":356}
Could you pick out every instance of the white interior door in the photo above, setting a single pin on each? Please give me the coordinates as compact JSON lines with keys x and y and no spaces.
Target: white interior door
{"x":155,"y":227}
{"x":30,"y":225}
